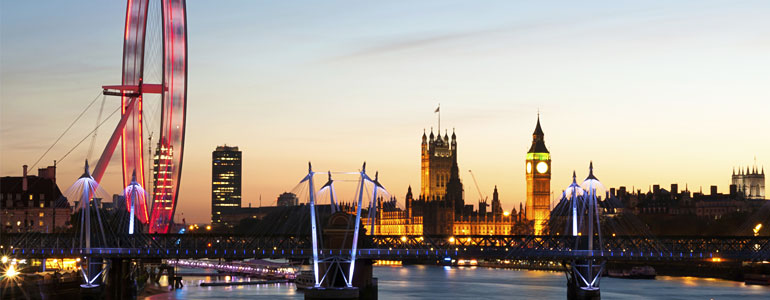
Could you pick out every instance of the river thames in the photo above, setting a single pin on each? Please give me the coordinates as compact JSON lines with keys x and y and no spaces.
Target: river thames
{"x":437,"y":282}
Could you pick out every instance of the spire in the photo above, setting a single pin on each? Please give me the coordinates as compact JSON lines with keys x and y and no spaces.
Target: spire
{"x":86,"y":171}
{"x":538,"y":129}
{"x":574,"y":177}
{"x":431,"y":134}
{"x":424,"y":137}
{"x":453,"y":134}
{"x":538,"y":142}
{"x":591,"y":171}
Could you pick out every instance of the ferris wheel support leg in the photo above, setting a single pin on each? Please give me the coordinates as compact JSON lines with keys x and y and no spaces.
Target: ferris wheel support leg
{"x":109,"y":149}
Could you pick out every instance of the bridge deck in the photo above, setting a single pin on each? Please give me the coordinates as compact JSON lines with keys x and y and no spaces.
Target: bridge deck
{"x":394,"y":247}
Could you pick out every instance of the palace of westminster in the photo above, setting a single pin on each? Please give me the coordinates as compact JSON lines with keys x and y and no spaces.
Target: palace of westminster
{"x":440,"y":208}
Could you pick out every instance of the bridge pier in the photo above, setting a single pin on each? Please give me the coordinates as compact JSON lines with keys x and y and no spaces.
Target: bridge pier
{"x":95,"y":289}
{"x":336,"y":235}
{"x":121,"y":282}
{"x":576,"y":293}
{"x":583,"y":279}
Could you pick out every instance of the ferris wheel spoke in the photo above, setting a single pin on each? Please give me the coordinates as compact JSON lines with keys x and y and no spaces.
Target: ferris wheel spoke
{"x":167,"y":163}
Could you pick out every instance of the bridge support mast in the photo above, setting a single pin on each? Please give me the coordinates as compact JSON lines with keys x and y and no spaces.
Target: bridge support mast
{"x":584,"y":271}
{"x":314,"y":231}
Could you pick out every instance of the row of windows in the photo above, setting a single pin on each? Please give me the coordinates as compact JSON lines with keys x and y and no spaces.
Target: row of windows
{"x":9,"y":203}
{"x":9,"y":196}
{"x":40,"y":223}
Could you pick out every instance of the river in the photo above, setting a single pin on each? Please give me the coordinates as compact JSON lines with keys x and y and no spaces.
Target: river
{"x":437,"y":282}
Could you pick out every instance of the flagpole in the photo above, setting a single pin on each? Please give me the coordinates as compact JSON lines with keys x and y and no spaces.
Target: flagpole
{"x":439,"y":119}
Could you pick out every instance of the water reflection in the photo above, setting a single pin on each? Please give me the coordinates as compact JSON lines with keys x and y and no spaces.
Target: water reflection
{"x":435,"y":282}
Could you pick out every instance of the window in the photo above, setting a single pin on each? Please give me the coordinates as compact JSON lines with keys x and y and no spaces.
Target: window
{"x":42,"y":204}
{"x":41,"y":223}
{"x":42,"y":214}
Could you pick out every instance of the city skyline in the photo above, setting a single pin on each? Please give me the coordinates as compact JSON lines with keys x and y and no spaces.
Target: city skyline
{"x":667,"y":95}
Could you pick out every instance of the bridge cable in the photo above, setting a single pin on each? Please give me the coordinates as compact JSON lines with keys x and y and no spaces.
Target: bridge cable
{"x":98,"y":119}
{"x":92,"y":131}
{"x":66,"y":130}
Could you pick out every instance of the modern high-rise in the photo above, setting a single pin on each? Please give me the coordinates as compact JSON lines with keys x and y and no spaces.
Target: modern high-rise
{"x":162,"y":165}
{"x":538,"y":168}
{"x":225,"y":182}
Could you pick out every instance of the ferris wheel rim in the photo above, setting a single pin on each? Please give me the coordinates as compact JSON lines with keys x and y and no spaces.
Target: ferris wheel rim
{"x":173,"y":90}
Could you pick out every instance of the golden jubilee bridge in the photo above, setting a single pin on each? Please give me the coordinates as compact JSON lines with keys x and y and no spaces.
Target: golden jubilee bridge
{"x":392,"y":247}
{"x":333,"y":238}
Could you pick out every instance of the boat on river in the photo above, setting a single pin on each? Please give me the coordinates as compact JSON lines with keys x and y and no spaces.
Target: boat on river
{"x":644,"y":272}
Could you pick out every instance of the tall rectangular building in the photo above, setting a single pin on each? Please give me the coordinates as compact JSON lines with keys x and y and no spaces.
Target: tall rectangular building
{"x":225,"y":182}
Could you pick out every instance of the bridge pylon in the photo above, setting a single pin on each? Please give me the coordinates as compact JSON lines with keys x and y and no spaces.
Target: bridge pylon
{"x":584,"y":269}
{"x":91,"y":233}
{"x":334,"y":273}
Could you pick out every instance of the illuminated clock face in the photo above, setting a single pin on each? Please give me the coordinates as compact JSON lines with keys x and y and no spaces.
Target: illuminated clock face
{"x":529,"y":167}
{"x":542,"y":167}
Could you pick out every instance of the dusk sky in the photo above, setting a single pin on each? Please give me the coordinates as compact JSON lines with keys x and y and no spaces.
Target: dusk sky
{"x":654,"y":92}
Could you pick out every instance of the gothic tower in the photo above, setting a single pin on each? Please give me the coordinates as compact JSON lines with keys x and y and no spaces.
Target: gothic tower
{"x":538,"y":168}
{"x":437,"y":157}
{"x":497,"y":208}
{"x":454,"y":190}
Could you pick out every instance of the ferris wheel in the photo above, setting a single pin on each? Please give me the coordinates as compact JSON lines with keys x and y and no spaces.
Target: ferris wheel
{"x":154,"y":79}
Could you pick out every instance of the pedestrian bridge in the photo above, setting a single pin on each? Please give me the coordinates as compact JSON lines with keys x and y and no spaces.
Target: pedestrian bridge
{"x":525,"y":247}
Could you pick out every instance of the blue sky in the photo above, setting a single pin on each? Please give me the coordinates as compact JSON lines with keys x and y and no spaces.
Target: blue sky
{"x":653,"y":92}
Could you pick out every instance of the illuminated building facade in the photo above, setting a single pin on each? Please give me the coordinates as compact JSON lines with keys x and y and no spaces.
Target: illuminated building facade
{"x":33,"y":203}
{"x":225,"y":183}
{"x":750,"y":182}
{"x":438,"y":155}
{"x":162,"y":167}
{"x":437,"y":216}
{"x":441,"y":208}
{"x":538,"y":173}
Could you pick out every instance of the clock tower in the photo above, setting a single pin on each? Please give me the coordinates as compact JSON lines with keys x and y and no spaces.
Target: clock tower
{"x":538,"y":170}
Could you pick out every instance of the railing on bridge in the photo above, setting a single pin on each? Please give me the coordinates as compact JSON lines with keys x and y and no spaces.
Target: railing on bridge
{"x":746,"y":248}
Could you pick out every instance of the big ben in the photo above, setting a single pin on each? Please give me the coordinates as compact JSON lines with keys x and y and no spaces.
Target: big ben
{"x":538,"y":168}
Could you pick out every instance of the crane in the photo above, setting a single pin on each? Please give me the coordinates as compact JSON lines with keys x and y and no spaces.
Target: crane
{"x":481,"y":197}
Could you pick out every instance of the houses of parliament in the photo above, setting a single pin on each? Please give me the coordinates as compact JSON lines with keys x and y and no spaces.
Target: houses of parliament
{"x":440,"y":207}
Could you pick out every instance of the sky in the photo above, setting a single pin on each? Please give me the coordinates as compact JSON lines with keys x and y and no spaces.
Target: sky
{"x":653,"y":92}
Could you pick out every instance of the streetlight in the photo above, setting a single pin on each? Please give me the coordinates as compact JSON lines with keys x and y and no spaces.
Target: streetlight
{"x":757,"y":228}
{"x":11,"y":272}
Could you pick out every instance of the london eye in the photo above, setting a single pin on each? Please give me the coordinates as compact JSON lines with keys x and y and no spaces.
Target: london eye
{"x":153,"y":94}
